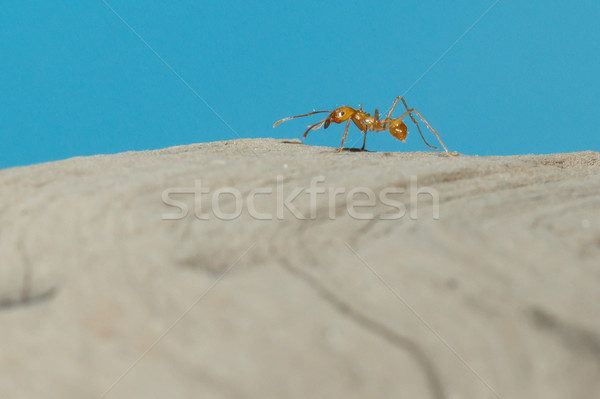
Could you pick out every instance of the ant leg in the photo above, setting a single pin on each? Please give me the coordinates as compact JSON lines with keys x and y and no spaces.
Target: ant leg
{"x":411,"y":117}
{"x":345,"y":134}
{"x":393,"y":107}
{"x":362,"y":126}
{"x":364,"y":142}
{"x":415,"y":122}
{"x":408,"y":112}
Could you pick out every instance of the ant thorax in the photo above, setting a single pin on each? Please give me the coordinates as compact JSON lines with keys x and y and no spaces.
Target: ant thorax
{"x":369,"y":120}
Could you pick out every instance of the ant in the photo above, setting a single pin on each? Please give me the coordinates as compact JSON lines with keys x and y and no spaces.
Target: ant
{"x":365,"y":122}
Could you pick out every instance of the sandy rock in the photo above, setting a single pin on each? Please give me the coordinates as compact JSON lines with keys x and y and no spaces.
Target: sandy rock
{"x":428,"y":276}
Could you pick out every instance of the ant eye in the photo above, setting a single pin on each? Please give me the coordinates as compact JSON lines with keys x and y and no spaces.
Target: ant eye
{"x":341,"y":113}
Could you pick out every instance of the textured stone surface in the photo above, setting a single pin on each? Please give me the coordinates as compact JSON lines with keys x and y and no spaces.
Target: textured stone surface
{"x":498,"y":298}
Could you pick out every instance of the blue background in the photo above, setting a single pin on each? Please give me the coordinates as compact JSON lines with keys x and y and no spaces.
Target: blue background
{"x":75,"y":80}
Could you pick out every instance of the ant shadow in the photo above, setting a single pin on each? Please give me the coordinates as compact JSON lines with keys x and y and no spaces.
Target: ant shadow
{"x":298,"y":142}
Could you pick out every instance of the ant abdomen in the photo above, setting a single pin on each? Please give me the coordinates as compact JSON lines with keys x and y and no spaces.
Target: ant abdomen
{"x":399,"y":130}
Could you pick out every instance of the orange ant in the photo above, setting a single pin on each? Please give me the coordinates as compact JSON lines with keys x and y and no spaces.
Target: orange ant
{"x":365,"y":122}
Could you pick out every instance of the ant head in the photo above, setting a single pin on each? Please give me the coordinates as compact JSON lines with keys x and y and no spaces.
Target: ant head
{"x":339,"y":115}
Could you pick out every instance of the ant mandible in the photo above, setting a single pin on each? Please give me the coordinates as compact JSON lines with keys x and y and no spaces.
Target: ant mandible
{"x":365,"y":122}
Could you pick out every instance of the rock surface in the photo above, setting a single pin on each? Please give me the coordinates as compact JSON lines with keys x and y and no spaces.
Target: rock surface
{"x":483,"y":283}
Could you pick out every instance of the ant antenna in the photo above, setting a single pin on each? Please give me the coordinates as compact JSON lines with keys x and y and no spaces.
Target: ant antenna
{"x":299,"y":116}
